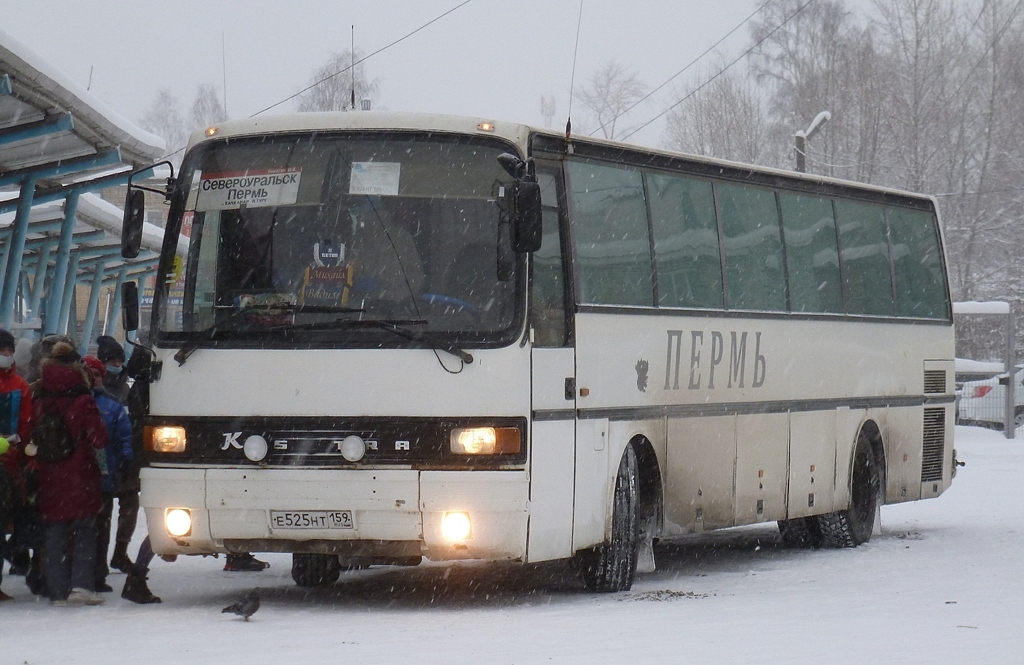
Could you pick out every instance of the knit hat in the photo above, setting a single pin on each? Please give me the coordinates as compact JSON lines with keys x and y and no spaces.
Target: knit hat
{"x":108,"y":348}
{"x":92,"y":362}
{"x":47,"y":343}
{"x":6,"y":340}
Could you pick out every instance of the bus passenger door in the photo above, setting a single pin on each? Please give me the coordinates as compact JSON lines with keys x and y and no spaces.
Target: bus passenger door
{"x":553,"y":386}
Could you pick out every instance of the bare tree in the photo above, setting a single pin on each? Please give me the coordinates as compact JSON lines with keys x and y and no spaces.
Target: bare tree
{"x":334,"y":82}
{"x":809,"y":66}
{"x":726,"y":118}
{"x":206,"y":109}
{"x":608,"y":94}
{"x":163,"y":117}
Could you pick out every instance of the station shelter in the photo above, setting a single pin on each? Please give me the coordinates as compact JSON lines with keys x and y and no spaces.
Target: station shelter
{"x":65,"y":159}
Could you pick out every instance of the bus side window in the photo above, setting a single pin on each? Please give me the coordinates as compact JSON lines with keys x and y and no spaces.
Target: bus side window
{"x":547,"y":299}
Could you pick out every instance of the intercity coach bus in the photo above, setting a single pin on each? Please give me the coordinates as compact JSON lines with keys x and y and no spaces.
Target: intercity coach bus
{"x":399,"y":336}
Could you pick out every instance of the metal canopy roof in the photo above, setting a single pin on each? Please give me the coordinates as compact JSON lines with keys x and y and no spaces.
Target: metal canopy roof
{"x":58,"y":144}
{"x":46,"y":118}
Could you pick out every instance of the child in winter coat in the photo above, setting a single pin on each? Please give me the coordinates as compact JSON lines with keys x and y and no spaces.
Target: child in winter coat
{"x":117,"y":455}
{"x":70,"y":489}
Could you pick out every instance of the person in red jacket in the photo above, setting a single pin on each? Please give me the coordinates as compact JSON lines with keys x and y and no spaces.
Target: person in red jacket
{"x":15,"y":420}
{"x":70,"y":490}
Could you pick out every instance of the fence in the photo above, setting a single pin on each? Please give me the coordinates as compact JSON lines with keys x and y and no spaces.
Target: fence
{"x":983,"y":394}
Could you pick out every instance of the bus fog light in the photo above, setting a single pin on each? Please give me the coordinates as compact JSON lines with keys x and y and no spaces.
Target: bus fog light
{"x":255,"y":448}
{"x":455,"y":527}
{"x":485,"y":440}
{"x":178,"y":522}
{"x":352,"y":448}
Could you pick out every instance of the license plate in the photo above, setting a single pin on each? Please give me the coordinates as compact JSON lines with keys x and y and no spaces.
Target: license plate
{"x":311,"y":519}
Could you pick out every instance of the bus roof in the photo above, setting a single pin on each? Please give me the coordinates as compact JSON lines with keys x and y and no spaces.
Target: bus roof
{"x":513,"y":132}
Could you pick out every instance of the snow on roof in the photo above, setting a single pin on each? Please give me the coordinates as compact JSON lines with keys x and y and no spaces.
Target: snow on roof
{"x":29,"y":69}
{"x":108,"y":217}
{"x":972,"y":307}
{"x":967,"y":366}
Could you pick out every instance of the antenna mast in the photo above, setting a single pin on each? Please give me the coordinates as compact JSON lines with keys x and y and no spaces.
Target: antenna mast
{"x":572,"y":81}
{"x":352,"y":72}
{"x":224,"y":67}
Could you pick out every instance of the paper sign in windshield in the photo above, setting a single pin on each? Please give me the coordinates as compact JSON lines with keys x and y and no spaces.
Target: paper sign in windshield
{"x":375,"y":178}
{"x":252,"y":189}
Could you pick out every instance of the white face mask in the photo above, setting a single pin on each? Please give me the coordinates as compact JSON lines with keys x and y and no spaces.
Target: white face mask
{"x":6,"y":362}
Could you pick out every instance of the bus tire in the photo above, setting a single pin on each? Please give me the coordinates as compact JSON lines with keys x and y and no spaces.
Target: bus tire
{"x":800,"y":533}
{"x":853,"y":526}
{"x":309,"y":570}
{"x":612,"y":566}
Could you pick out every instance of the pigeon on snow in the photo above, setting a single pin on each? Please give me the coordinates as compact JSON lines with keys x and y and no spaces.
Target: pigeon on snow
{"x":247,"y":606}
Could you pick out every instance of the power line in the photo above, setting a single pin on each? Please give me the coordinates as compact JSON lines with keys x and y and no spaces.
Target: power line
{"x":674,"y":76}
{"x":383,"y":48}
{"x":723,"y":70}
{"x":364,"y":59}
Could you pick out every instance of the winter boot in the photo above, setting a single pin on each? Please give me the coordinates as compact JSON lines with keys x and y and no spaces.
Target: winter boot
{"x":120,"y":560}
{"x":244,"y":562}
{"x":136,"y":589}
{"x":34,"y":579}
{"x":19,"y":562}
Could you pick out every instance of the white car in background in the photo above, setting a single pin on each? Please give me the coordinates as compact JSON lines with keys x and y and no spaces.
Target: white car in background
{"x":984,"y":402}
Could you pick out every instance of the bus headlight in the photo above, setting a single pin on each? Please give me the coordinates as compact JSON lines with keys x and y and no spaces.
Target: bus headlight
{"x":178,"y":522}
{"x":485,"y":440}
{"x":455,"y":527}
{"x":163,"y":439}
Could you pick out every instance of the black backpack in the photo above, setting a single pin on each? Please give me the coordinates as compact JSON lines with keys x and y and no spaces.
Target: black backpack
{"x":50,"y":436}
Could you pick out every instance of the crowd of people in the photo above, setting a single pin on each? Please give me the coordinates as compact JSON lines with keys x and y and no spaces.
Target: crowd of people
{"x":69,"y":443}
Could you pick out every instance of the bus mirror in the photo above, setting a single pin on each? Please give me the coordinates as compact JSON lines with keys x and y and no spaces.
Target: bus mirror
{"x":130,"y":306}
{"x":526,"y":217}
{"x":131,"y":226}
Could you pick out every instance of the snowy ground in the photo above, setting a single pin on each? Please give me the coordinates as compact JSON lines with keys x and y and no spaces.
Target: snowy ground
{"x":942,"y":584}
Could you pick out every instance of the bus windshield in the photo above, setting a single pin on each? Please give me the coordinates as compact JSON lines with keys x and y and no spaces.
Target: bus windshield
{"x":314,"y":236}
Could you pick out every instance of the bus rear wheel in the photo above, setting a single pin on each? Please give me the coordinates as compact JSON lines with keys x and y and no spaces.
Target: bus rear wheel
{"x":800,"y":533}
{"x":612,"y":566}
{"x":309,"y":570}
{"x":853,"y":526}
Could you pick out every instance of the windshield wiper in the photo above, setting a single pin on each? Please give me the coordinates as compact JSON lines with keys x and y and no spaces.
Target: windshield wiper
{"x":288,"y":308}
{"x":395,"y":326}
{"x":391,"y":326}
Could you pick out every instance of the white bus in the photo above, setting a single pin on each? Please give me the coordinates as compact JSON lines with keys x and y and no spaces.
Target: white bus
{"x":399,"y":336}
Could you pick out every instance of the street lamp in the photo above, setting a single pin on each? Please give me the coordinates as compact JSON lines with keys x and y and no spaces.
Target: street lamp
{"x":802,"y":137}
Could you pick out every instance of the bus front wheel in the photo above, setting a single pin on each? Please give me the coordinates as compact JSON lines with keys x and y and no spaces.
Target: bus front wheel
{"x":611,"y":566}
{"x":309,"y":570}
{"x":853,"y":526}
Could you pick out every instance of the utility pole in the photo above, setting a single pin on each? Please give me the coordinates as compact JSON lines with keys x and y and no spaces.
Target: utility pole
{"x":802,"y":137}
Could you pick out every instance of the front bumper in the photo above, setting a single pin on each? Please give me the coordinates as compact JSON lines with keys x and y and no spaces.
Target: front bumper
{"x":396,"y":512}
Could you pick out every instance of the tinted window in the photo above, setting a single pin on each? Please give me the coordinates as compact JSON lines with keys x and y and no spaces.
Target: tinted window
{"x":864,"y":246}
{"x":547,"y":304}
{"x":685,"y":242}
{"x":917,"y":260}
{"x":753,"y":248}
{"x":812,"y":255}
{"x":612,"y":239}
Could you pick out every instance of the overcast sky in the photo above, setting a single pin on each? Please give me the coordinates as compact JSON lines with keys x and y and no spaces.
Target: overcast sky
{"x":489,"y":58}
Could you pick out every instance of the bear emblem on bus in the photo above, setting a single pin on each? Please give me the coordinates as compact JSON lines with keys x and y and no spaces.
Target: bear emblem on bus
{"x":641,"y":374}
